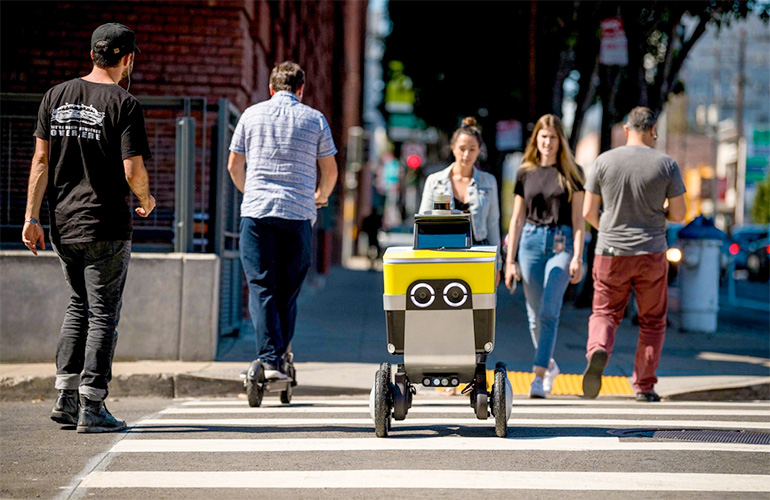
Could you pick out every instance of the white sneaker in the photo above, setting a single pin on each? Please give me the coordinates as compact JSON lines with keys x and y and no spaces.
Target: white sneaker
{"x":536,"y":389}
{"x":550,"y":375}
{"x":272,"y":373}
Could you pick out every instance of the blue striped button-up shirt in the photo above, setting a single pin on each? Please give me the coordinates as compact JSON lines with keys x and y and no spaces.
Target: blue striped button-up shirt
{"x":282,"y":139}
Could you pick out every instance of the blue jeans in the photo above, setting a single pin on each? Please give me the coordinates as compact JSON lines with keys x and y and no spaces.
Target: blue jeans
{"x":275,"y":254}
{"x":545,"y":276}
{"x":96,"y":274}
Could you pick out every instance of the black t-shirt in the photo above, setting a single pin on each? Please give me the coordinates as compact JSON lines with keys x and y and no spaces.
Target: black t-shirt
{"x":545,"y":196}
{"x":91,"y":129}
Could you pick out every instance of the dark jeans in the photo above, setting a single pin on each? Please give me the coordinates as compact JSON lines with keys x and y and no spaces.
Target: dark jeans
{"x":275,"y":254}
{"x":96,"y":274}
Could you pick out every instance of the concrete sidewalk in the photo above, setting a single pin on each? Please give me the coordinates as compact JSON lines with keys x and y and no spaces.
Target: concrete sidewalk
{"x":340,"y":340}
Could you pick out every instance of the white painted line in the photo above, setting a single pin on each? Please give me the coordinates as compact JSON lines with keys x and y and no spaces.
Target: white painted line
{"x":577,"y":443}
{"x":463,"y":422}
{"x":465,"y":409}
{"x":431,"y":479}
{"x":462,"y":402}
{"x":733,"y":358}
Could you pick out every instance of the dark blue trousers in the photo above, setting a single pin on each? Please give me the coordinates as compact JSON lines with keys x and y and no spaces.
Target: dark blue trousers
{"x":275,"y":254}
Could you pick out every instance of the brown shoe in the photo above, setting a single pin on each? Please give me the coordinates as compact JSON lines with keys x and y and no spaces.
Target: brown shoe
{"x":592,"y":377}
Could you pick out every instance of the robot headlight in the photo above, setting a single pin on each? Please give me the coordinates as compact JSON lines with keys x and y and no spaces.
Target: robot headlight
{"x":423,"y":295}
{"x":455,"y":294}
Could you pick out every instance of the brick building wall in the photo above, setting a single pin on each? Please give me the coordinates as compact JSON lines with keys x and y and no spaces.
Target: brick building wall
{"x":213,"y":49}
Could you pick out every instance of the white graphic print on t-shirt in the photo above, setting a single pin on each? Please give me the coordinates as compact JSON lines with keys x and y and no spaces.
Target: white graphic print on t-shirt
{"x":77,"y":120}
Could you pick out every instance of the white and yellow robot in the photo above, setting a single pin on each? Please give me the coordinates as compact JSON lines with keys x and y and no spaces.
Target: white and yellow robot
{"x":439,"y":304}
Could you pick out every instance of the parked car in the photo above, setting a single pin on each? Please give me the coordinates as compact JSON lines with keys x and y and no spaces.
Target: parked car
{"x":742,"y":237}
{"x":758,"y":260}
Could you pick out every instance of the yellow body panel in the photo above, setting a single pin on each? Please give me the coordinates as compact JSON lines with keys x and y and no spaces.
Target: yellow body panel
{"x":480,"y":276}
{"x":408,"y":253}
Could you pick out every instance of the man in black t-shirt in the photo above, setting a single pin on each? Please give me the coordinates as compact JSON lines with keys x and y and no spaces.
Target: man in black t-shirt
{"x":91,"y":133}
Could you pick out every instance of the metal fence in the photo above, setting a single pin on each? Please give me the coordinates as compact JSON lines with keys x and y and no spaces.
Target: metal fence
{"x":179,"y":172}
{"x":226,"y":234}
{"x":197,"y":206}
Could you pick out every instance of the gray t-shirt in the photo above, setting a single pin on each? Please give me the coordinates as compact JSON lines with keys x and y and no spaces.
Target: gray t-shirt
{"x":633,"y":182}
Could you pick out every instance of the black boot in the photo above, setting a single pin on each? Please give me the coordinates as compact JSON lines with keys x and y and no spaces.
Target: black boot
{"x":65,"y":411}
{"x":94,"y":417}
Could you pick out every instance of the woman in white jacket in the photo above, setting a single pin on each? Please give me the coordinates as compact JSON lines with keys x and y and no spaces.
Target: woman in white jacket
{"x":472,"y":190}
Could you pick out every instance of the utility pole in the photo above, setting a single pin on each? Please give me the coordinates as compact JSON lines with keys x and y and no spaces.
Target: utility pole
{"x":532,"y":61}
{"x":712,"y":122}
{"x":740,"y":168}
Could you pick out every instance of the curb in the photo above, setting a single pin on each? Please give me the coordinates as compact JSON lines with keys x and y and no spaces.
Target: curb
{"x":751,"y":392}
{"x":185,"y":385}
{"x":157,"y":385}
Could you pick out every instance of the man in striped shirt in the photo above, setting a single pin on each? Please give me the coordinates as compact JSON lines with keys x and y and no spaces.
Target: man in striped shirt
{"x":280,"y":140}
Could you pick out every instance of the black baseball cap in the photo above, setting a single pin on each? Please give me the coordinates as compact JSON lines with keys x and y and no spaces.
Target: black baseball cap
{"x":120,"y":39}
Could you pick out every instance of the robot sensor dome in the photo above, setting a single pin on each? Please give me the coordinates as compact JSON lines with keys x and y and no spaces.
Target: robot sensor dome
{"x":455,"y":294}
{"x":423,"y":295}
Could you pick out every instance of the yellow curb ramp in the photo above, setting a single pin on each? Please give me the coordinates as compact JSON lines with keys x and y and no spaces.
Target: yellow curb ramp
{"x":566,"y":384}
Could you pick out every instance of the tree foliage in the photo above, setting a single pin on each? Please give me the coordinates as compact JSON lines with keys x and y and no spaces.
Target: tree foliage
{"x":513,"y":58}
{"x":760,"y":207}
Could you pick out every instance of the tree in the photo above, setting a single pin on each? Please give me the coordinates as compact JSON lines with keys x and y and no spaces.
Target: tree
{"x":660,"y":36}
{"x":760,"y":207}
{"x":511,"y":59}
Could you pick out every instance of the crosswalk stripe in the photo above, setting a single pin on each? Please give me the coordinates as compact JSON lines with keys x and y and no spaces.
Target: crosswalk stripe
{"x":431,"y":479}
{"x":570,"y":443}
{"x":466,"y":422}
{"x":463,"y":402}
{"x":467,"y":410}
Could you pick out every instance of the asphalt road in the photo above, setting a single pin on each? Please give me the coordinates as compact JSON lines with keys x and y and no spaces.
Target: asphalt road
{"x":326,"y":448}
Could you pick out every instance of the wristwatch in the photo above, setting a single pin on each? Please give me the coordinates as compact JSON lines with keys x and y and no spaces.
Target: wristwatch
{"x":33,"y":221}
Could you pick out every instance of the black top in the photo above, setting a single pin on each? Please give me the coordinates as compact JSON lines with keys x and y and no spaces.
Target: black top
{"x":545,"y":196}
{"x":463,"y":207}
{"x":91,"y":128}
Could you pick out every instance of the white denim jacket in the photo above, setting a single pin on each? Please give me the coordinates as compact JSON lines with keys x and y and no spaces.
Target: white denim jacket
{"x":482,"y":196}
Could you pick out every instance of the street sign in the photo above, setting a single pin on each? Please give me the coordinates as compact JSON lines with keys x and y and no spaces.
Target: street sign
{"x":613,"y":50}
{"x":399,"y":92}
{"x":508,"y":136}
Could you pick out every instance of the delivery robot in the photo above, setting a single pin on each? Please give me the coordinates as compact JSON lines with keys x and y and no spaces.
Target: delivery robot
{"x":439,"y":301}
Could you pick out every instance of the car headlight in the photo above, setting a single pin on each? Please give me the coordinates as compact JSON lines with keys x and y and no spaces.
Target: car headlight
{"x":674,"y":255}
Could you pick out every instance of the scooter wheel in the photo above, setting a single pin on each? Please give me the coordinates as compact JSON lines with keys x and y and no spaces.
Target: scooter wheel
{"x":255,"y":384}
{"x":286,"y":395}
{"x":382,"y":401}
{"x":498,"y":404}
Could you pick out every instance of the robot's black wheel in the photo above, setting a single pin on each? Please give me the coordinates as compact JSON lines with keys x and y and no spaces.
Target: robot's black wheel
{"x":498,"y":404}
{"x":482,"y":406}
{"x":255,"y":384}
{"x":382,"y":401}
{"x":481,"y":400}
{"x":402,"y":396}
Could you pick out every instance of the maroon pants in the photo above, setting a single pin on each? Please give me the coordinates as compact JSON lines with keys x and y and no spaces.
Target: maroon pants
{"x":614,"y":278}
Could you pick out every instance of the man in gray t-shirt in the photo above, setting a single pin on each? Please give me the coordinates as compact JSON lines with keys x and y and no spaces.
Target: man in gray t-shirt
{"x":638,"y":189}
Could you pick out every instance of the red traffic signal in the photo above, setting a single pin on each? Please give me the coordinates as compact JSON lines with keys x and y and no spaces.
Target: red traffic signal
{"x":413,"y":161}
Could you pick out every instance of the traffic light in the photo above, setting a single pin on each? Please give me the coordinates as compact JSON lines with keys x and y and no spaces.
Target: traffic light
{"x":413,"y":162}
